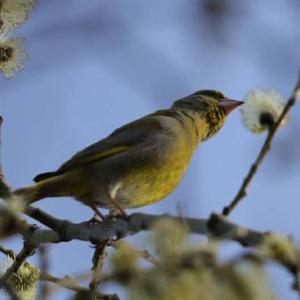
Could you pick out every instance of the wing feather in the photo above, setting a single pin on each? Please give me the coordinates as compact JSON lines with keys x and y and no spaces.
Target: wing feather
{"x":121,"y":140}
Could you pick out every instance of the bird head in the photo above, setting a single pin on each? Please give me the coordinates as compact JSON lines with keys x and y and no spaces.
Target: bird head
{"x":210,"y":105}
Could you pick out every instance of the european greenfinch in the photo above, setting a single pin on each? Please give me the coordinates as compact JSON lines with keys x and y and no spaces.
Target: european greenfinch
{"x":141,"y":162}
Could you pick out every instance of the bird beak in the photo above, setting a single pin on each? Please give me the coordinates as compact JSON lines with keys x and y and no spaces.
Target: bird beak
{"x":229,"y":105}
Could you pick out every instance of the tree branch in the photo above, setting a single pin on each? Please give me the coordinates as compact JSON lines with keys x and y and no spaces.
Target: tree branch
{"x":216,"y":226}
{"x":242,"y":192}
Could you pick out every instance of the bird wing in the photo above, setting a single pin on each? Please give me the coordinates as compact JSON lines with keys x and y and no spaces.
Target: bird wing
{"x":121,"y":140}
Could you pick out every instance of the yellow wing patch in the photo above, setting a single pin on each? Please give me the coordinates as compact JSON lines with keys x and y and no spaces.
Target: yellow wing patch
{"x":104,"y":154}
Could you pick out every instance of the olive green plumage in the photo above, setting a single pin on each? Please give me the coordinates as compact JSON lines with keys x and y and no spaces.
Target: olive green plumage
{"x":139,"y":163}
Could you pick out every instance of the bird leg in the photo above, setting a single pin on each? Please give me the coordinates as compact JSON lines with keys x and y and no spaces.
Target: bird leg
{"x":119,"y":208}
{"x":115,"y":202}
{"x":97,"y":218}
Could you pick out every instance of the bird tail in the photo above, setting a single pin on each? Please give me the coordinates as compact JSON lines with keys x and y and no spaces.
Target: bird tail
{"x":51,"y":187}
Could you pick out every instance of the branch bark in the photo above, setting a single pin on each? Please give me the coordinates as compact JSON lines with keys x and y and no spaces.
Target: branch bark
{"x":61,"y":230}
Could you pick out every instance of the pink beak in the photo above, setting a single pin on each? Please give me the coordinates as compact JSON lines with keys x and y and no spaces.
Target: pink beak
{"x":229,"y":104}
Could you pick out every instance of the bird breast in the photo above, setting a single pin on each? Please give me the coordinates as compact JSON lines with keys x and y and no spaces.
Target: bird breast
{"x":151,"y":184}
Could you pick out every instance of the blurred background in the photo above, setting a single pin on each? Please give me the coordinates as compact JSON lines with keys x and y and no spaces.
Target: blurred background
{"x":95,"y":65}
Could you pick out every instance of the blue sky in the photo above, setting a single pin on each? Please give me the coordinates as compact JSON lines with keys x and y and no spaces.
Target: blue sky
{"x":95,"y":65}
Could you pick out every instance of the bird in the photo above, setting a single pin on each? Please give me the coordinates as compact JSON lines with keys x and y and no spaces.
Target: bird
{"x":139,"y":163}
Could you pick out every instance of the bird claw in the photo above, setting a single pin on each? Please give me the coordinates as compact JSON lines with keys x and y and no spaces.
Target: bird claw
{"x":117,"y":213}
{"x":94,"y":221}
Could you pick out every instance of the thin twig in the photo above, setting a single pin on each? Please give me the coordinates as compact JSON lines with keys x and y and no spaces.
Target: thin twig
{"x":66,"y":282}
{"x":255,"y":256}
{"x":13,"y":295}
{"x":27,"y":251}
{"x":69,"y":283}
{"x":1,"y":122}
{"x":76,"y":278}
{"x":296,"y":284}
{"x":5,"y":190}
{"x":98,"y":259}
{"x":43,"y":255}
{"x":242,"y":192}
{"x":8,"y":252}
{"x":7,"y":286}
{"x":145,"y":254}
{"x":82,"y":276}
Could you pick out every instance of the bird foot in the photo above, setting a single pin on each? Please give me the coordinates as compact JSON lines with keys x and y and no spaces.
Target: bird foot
{"x":117,"y":213}
{"x":113,"y":215}
{"x":95,"y":220}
